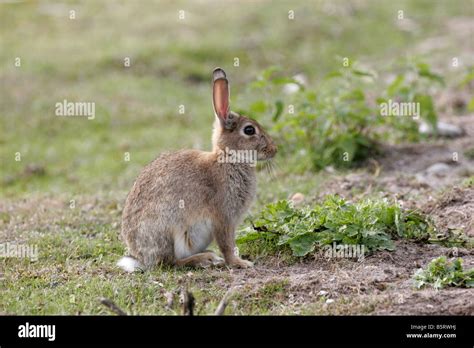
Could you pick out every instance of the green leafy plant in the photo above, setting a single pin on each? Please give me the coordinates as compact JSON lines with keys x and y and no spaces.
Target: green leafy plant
{"x":468,"y":81}
{"x":412,"y":84}
{"x":281,"y":227}
{"x":339,"y":123}
{"x":330,"y":124}
{"x":441,"y":273}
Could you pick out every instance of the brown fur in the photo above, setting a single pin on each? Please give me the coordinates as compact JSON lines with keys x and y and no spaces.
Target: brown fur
{"x":184,"y":200}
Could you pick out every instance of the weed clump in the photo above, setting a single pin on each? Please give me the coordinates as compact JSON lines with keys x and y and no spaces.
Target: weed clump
{"x":342,"y":122}
{"x":280,"y":227}
{"x":440,"y":273}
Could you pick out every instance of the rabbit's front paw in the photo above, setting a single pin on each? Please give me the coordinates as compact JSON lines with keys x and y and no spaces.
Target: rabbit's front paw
{"x":239,"y":263}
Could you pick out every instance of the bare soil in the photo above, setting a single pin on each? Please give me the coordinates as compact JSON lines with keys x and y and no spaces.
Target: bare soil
{"x":380,"y":284}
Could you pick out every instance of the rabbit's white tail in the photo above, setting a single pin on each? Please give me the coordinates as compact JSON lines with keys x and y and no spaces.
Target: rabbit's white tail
{"x":129,"y":264}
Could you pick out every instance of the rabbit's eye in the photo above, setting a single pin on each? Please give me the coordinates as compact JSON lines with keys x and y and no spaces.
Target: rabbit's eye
{"x":249,"y":130}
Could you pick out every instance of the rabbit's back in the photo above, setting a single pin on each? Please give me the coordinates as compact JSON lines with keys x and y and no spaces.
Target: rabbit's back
{"x":170,"y":186}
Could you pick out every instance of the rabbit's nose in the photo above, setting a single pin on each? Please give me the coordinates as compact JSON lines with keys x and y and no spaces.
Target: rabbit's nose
{"x":271,"y":150}
{"x":274,"y":149}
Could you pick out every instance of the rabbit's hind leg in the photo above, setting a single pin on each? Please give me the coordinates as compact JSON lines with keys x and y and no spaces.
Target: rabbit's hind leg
{"x":204,"y":259}
{"x":153,"y":245}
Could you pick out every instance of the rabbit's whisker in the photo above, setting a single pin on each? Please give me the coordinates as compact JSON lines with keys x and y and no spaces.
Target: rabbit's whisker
{"x":269,"y":166}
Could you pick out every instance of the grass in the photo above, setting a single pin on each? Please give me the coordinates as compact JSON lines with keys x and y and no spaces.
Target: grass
{"x":76,"y":266}
{"x":79,"y":288}
{"x":469,"y":153}
{"x":64,"y":159}
{"x":78,"y":249}
{"x":137,"y":107}
{"x":267,"y":299}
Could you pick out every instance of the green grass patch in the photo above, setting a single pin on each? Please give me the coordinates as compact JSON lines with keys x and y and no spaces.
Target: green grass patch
{"x":267,"y":299}
{"x":468,"y":182}
{"x":441,"y":273}
{"x":469,"y":153}
{"x":137,"y":106}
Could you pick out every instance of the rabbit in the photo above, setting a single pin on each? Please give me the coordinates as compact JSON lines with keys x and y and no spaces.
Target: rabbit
{"x":182,"y":201}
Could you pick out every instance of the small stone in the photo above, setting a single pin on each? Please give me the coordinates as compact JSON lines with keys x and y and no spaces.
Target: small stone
{"x":297,"y":198}
{"x":301,"y":79}
{"x":322,"y":293}
{"x":329,"y":301}
{"x":169,"y":299}
{"x":438,"y":169}
{"x":291,"y":88}
{"x":443,"y":129}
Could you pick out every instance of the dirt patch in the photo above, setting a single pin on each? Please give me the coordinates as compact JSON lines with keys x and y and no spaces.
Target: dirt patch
{"x":454,"y":210}
{"x":379,"y":284}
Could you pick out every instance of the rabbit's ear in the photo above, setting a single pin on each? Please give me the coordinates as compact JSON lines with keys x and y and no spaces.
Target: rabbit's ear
{"x":220,"y":96}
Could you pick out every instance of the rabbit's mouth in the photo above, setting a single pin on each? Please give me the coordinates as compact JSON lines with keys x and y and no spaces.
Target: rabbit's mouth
{"x":267,"y":153}
{"x":264,"y":157}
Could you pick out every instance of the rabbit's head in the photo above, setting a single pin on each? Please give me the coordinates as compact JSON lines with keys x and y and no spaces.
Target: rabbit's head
{"x":233,"y":131}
